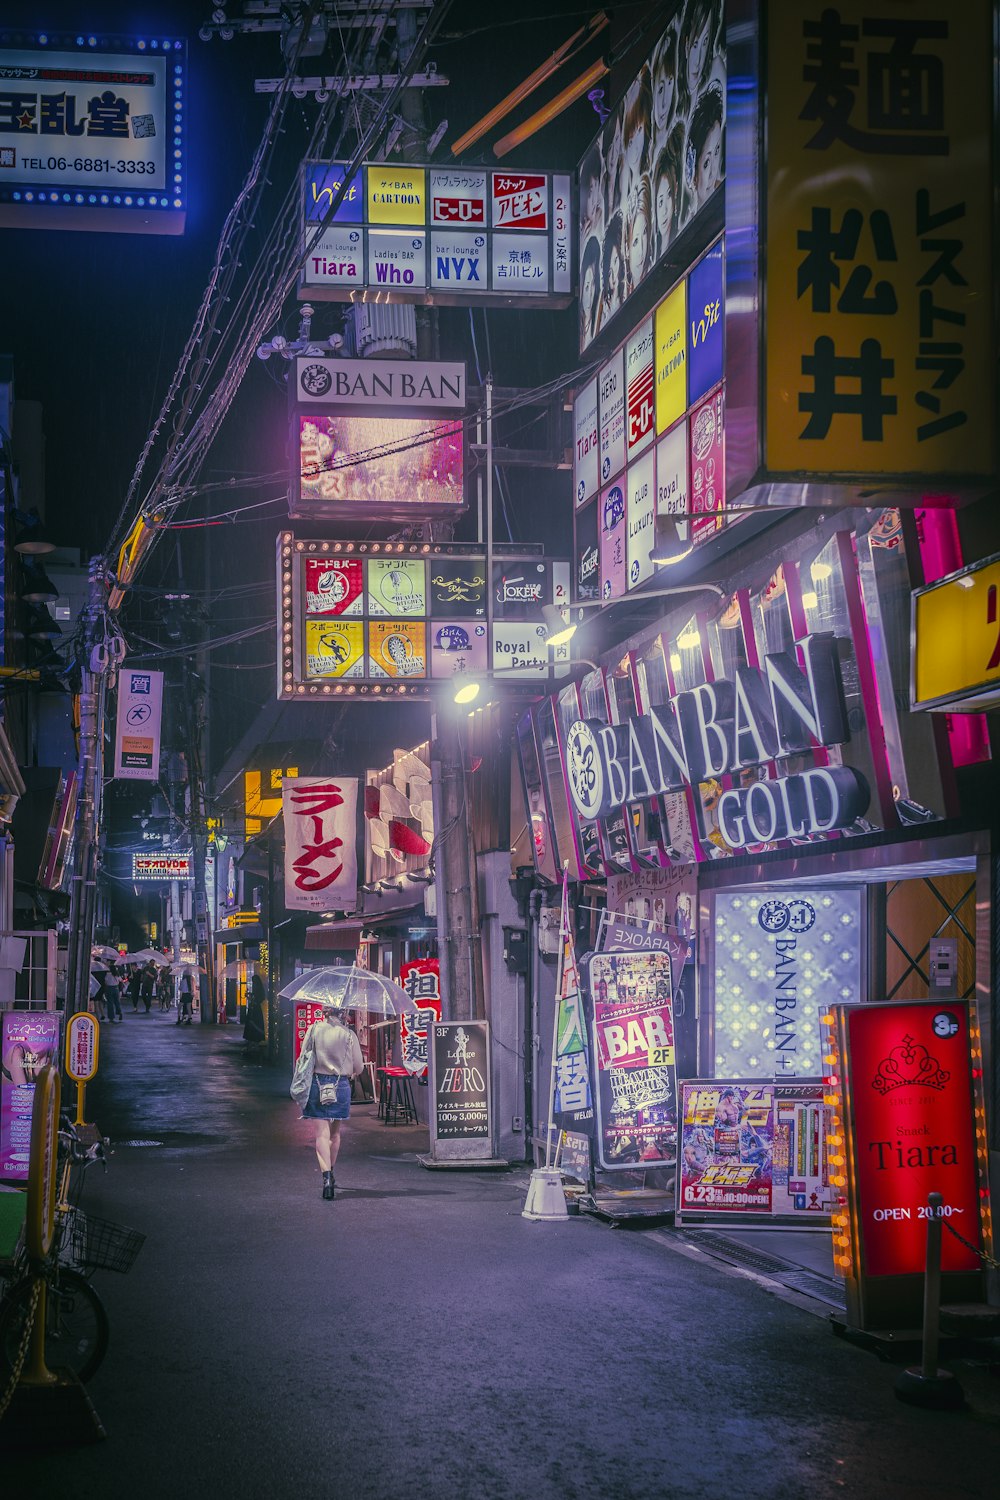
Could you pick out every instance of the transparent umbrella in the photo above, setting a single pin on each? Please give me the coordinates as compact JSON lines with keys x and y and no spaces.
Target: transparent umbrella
{"x":145,"y":955}
{"x":349,"y":988}
{"x":229,"y":971}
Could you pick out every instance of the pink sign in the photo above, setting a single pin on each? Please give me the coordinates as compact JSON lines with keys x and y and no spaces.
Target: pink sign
{"x":306,"y":1012}
{"x":614,"y":568}
{"x":708,"y":467}
{"x":28,"y":1041}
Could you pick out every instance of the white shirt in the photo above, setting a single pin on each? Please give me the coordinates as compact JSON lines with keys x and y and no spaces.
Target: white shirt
{"x":337,"y":1049}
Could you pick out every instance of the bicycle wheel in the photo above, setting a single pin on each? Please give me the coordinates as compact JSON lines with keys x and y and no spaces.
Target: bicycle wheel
{"x":76,"y":1325}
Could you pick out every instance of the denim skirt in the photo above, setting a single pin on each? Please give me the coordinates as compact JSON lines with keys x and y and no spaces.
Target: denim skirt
{"x":340,"y":1109}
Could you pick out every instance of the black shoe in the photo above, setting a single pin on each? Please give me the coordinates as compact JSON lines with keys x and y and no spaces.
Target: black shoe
{"x":328,"y":1185}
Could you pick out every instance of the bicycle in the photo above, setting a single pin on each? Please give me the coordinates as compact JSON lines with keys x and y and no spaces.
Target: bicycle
{"x":76,"y":1322}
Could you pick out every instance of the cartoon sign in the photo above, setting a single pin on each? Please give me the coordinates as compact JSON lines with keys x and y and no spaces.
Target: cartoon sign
{"x":335,"y":648}
{"x":334,"y":586}
{"x":397,"y":648}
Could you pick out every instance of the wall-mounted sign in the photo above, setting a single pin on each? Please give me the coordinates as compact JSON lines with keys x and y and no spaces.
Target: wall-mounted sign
{"x":321,"y":860}
{"x":448,"y":236}
{"x":162,"y":866}
{"x":879,"y":242}
{"x":383,"y":468}
{"x":386,"y":620}
{"x":137,"y":728}
{"x":956,"y":641}
{"x":723,"y":728}
{"x":658,"y":161}
{"x":634,"y":1059}
{"x":400,"y":384}
{"x":781,"y":957}
{"x":585,"y":461}
{"x":907,"y":1085}
{"x":244,"y":918}
{"x":93,"y":133}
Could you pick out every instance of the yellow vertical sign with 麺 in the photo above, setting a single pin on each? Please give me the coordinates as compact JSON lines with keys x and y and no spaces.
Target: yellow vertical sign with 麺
{"x":879,"y":322}
{"x":670,"y":353}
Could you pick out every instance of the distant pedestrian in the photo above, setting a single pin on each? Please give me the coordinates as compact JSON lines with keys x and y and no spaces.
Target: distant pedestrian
{"x":112,"y":994}
{"x":134,"y":985}
{"x":330,"y":1058}
{"x":165,"y":988}
{"x":186,"y":1012}
{"x":97,"y":977}
{"x":254,"y":1030}
{"x":147,"y":985}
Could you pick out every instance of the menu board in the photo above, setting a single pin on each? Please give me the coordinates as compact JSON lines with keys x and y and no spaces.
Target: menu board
{"x":461,"y":1080}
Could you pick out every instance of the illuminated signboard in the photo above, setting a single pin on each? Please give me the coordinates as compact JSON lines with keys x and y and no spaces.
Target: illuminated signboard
{"x":658,"y":162}
{"x":633,"y":1030}
{"x":651,"y":421}
{"x":376,"y":467}
{"x":906,"y":1087}
{"x":93,"y":132}
{"x":445,"y":236}
{"x":389,"y":619}
{"x":401,"y":384}
{"x":956,"y":641}
{"x":162,"y":866}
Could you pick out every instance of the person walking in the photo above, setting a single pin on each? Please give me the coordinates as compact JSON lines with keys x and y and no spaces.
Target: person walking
{"x":330,"y":1058}
{"x":134,"y":985}
{"x":165,"y":988}
{"x":112,"y":994}
{"x":185,"y":1015}
{"x":147,"y":985}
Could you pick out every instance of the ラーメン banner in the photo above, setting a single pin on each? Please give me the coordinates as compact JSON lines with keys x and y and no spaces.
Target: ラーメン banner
{"x":879,"y":211}
{"x":321,"y":861}
{"x":137,"y":732}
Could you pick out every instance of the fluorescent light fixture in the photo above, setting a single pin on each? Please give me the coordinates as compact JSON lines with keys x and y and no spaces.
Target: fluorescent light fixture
{"x":558,"y":630}
{"x":662,"y":560}
{"x":468,"y":691}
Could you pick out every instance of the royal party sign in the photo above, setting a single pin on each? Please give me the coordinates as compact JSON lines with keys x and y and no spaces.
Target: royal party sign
{"x":879,"y":324}
{"x":446,"y":236}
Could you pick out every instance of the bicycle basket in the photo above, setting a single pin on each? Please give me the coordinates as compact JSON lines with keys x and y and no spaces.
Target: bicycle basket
{"x":102,"y":1245}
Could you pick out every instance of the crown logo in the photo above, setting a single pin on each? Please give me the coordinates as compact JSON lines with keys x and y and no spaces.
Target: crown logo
{"x":909,"y":1063}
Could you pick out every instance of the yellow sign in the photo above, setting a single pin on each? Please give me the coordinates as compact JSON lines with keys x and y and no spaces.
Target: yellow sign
{"x":397,"y":648}
{"x":335,"y":648}
{"x":956,"y":641}
{"x":397,"y":195}
{"x":660,"y":1057}
{"x":879,"y":247}
{"x":242,"y":918}
{"x":670,"y":344}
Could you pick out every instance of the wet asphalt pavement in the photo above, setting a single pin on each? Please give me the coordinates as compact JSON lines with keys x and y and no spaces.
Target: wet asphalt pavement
{"x":417,"y":1338}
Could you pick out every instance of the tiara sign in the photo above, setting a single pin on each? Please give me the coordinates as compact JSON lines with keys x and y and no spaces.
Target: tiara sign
{"x":909,"y":1063}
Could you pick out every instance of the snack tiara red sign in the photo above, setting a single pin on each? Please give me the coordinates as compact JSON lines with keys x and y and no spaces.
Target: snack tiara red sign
{"x":162,"y":867}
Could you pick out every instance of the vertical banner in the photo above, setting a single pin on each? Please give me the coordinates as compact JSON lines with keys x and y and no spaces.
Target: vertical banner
{"x":727,"y":1140}
{"x":29,"y":1041}
{"x":421,"y":979}
{"x":572,"y":1101}
{"x":137,"y":733}
{"x":634,"y":1059}
{"x":321,"y":860}
{"x":879,"y":204}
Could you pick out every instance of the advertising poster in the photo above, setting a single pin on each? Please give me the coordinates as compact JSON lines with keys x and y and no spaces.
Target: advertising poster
{"x":670,"y":332}
{"x":585,"y":447}
{"x":620,"y":934}
{"x":705,"y":325}
{"x":459,"y":646}
{"x":614,"y":572}
{"x":334,"y":585}
{"x":321,"y":861}
{"x":912,"y":1133}
{"x":574,"y":1155}
{"x":28,"y":1041}
{"x":611,"y":412}
{"x":781,"y":955}
{"x":707,"y":467}
{"x":397,"y":648}
{"x":137,"y":730}
{"x":520,"y":200}
{"x":587,"y":562}
{"x":665,"y":897}
{"x":458,"y":197}
{"x":335,"y":649}
{"x":361,"y":463}
{"x":727,"y":1137}
{"x":641,"y":519}
{"x":659,"y":159}
{"x":800,"y":1162}
{"x":421,"y":979}
{"x":396,"y":586}
{"x":640,"y":425}
{"x":458,"y":587}
{"x":634,"y":1059}
{"x":461,"y":1081}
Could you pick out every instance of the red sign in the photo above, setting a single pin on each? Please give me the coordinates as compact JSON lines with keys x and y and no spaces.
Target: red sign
{"x":520,"y":201}
{"x":913,"y":1118}
{"x":421,"y":979}
{"x":306,"y":1012}
{"x":458,"y":210}
{"x":334,"y":585}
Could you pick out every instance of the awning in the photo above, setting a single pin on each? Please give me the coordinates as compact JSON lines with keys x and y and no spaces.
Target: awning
{"x":339,"y":937}
{"x":249,"y":932}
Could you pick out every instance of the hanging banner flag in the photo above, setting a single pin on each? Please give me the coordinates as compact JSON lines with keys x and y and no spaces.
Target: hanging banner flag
{"x":321,"y":861}
{"x":137,"y":734}
{"x":421,"y":979}
{"x":573,"y":1103}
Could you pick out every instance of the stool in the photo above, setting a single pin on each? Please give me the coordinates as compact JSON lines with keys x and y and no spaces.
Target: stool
{"x":400,"y":1106}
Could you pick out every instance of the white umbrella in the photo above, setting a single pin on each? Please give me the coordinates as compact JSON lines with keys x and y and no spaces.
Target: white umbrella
{"x":347,"y":987}
{"x":186,"y":969}
{"x":148,"y":955}
{"x":101,"y":950}
{"x":229,"y":971}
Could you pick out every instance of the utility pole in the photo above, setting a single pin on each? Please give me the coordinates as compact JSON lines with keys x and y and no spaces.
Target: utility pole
{"x":455,"y":874}
{"x":95,"y":665}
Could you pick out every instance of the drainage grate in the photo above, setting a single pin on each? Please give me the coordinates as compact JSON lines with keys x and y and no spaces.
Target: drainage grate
{"x":816,"y":1286}
{"x":741,"y":1255}
{"x":138,"y":1143}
